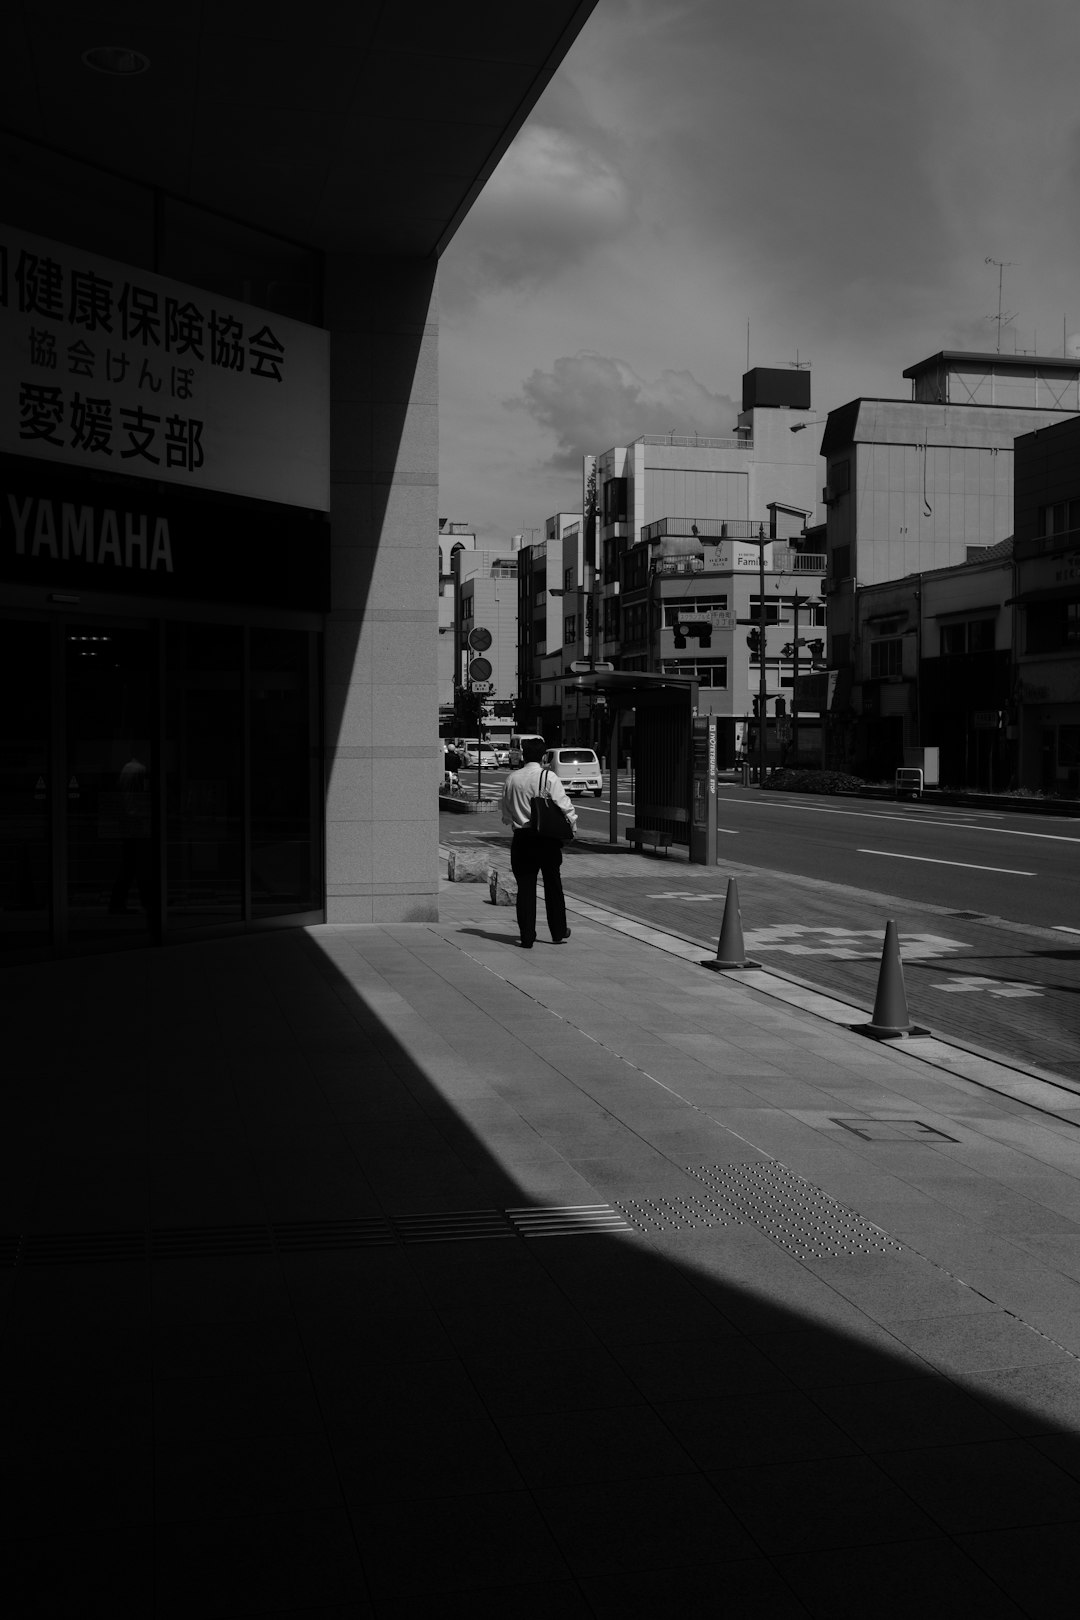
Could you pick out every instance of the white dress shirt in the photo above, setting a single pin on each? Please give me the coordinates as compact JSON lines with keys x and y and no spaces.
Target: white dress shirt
{"x":522,"y":787}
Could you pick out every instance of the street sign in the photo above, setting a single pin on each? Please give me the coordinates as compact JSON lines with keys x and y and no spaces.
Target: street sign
{"x":581,"y":666}
{"x":481,"y":686}
{"x":480,"y":668}
{"x":986,"y":719}
{"x":715,"y":618}
{"x":479,"y":639}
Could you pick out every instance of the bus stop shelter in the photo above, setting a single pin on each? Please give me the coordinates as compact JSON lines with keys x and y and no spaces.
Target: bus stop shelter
{"x":671,"y":761}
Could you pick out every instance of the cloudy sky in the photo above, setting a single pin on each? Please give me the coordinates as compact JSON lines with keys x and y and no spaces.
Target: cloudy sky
{"x":835,"y":173}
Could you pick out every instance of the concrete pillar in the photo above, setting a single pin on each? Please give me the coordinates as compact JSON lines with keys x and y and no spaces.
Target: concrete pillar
{"x":381,"y":703}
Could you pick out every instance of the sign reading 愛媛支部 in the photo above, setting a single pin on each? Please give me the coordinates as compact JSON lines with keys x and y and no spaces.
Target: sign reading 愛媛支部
{"x":108,"y":367}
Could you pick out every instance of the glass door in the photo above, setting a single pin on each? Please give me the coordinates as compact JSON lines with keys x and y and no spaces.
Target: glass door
{"x":110,"y":712}
{"x":26,"y":787}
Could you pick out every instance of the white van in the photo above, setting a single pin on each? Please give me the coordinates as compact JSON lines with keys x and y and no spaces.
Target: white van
{"x":516,"y":760}
{"x":578,"y":769}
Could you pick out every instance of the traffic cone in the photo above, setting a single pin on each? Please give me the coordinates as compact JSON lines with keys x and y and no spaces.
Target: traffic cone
{"x":730,"y":950}
{"x":890,"y":1020}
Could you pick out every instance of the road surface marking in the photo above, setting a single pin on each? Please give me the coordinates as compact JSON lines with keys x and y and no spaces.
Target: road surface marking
{"x":1063,"y":928}
{"x":969,"y":866}
{"x":679,"y":894}
{"x":846,"y":944}
{"x":914,"y":821}
{"x":994,"y":987}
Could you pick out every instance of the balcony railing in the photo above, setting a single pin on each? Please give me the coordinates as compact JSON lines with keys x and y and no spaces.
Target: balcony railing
{"x":808,"y":562}
{"x":707,"y":529}
{"x":695,"y":441}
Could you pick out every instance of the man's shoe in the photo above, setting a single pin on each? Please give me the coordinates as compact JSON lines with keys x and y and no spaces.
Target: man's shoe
{"x":560,"y":939}
{"x":526,"y":944}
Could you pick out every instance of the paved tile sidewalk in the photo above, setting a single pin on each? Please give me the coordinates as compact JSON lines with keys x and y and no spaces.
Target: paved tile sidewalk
{"x":255,"y":1368}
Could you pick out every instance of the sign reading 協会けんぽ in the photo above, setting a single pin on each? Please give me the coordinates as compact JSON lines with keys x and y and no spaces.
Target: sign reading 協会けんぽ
{"x":108,"y":367}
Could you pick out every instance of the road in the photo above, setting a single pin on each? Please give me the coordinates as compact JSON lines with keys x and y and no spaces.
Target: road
{"x":987,"y":905}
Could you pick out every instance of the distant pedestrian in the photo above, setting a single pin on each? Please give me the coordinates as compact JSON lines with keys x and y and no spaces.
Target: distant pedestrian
{"x":531,"y":854}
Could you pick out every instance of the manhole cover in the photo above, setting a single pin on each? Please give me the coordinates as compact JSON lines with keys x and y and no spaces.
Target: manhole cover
{"x":894,"y":1130}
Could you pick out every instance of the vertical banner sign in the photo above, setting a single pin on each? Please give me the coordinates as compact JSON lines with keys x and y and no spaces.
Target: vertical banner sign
{"x":109,"y":368}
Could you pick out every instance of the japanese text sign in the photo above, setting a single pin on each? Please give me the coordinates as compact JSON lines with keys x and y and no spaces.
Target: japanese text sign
{"x":108,"y":367}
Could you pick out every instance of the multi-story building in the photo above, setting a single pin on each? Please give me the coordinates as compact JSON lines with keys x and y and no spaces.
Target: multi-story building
{"x":1047,"y":603}
{"x":546,"y":598}
{"x":931,"y":666}
{"x":677,"y":521}
{"x":453,"y":538}
{"x":911,"y":485}
{"x":485,"y":597}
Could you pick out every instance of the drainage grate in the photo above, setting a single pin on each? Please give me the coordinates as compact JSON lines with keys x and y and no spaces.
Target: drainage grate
{"x":453,"y":1226}
{"x":894,"y":1130}
{"x":293,"y":1236}
{"x":208,"y":1242}
{"x":81,"y":1248}
{"x":795,"y":1214}
{"x":676,"y":1214}
{"x":569,"y":1220}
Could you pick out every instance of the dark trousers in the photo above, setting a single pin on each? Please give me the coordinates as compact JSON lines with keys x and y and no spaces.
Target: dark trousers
{"x":530,"y":855}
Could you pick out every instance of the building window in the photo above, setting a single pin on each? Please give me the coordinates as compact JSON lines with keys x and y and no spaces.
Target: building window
{"x":967,"y":636}
{"x":568,"y":579}
{"x":540,"y":598}
{"x":886,"y":658}
{"x":1059,"y":517}
{"x":614,"y":501}
{"x":773,"y":604}
{"x":840,"y":562}
{"x":707,"y":671}
{"x":611,"y":618}
{"x":634,"y":622}
{"x":689,"y":607}
{"x":570,"y":630}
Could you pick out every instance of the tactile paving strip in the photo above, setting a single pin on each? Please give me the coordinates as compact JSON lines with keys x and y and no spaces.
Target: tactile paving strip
{"x":793,"y":1213}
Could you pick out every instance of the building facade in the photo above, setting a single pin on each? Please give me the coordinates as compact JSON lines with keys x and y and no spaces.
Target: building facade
{"x":913,"y":485}
{"x":677,"y":519}
{"x":453,"y":538}
{"x":1047,"y":605}
{"x":219,"y":442}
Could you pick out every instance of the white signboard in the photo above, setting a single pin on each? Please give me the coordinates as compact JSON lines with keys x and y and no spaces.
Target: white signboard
{"x":740,"y":557}
{"x":109,"y":368}
{"x":717,"y":618}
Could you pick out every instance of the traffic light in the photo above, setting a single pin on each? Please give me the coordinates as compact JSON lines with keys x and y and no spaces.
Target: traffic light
{"x":781,"y":708}
{"x":788,"y":650}
{"x":753,"y":641}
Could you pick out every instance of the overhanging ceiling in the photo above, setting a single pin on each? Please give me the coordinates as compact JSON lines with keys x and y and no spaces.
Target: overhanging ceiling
{"x":346,"y":126}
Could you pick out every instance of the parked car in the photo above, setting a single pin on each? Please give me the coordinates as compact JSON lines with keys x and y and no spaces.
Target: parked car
{"x":480,"y":755}
{"x":501,"y":752}
{"x":577,"y":768}
{"x":516,"y":741}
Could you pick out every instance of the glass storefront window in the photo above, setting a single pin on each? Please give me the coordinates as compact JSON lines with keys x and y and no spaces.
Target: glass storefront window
{"x":25,"y":787}
{"x":285,"y":860}
{"x":204,"y":774}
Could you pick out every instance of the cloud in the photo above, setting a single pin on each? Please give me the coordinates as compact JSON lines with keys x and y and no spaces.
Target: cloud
{"x":552,"y":200}
{"x":592,"y":401}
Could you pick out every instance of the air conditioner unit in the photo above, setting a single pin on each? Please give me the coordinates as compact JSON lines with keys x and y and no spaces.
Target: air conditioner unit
{"x":828,"y":495}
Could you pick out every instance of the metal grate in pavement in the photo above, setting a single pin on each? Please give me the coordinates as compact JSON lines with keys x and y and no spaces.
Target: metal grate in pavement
{"x":454,"y":1226}
{"x":294,"y":1237}
{"x":81,"y":1248}
{"x":793,"y":1213}
{"x":209,"y":1242}
{"x":569,"y":1220}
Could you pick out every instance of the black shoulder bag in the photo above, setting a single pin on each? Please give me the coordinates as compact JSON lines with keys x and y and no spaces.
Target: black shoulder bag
{"x":547,"y":819}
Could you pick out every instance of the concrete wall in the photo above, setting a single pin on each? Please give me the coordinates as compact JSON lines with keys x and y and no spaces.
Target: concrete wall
{"x":381,"y":633}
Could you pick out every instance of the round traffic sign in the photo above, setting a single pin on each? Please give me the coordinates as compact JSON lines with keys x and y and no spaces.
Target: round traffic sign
{"x":479,"y":639}
{"x":480,"y":669}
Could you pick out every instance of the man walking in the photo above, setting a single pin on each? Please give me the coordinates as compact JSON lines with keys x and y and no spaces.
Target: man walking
{"x":530,"y":853}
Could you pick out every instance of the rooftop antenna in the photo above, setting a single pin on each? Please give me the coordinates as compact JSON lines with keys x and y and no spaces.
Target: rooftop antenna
{"x":1002,"y":320}
{"x":748,"y":343}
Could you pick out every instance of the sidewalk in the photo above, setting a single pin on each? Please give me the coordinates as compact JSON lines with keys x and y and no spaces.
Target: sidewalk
{"x":395,"y":1271}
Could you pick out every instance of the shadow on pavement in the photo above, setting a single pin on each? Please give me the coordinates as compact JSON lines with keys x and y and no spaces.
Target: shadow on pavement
{"x":304,"y":1395}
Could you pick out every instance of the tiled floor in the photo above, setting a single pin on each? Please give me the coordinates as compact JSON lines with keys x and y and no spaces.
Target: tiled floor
{"x":254,"y":1411}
